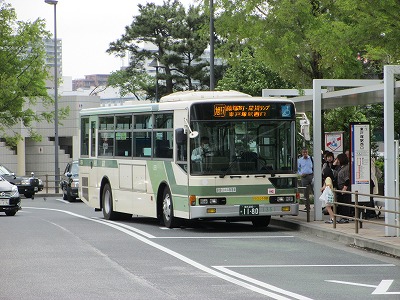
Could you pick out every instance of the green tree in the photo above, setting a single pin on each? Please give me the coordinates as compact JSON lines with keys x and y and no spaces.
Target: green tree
{"x":304,"y":40}
{"x":22,"y":74}
{"x":339,"y":119}
{"x":178,"y":41}
{"x":377,"y":32}
{"x":250,"y":76}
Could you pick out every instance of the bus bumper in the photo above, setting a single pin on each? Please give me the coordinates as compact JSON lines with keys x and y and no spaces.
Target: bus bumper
{"x":222,"y":211}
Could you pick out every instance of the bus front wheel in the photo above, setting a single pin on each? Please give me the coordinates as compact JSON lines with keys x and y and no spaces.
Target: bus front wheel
{"x":168,"y":210}
{"x":108,"y":212}
{"x":108,"y":208}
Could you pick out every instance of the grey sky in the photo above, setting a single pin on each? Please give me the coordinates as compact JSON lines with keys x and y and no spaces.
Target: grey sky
{"x":86,"y":28}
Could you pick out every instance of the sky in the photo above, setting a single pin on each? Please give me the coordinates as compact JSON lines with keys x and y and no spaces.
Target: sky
{"x":86,"y":28}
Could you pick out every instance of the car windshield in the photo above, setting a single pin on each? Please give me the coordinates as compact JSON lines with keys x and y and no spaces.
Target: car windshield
{"x":4,"y":170}
{"x":75,"y":168}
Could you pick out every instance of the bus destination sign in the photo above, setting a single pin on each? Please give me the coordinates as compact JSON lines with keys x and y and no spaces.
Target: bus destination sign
{"x":241,"y":110}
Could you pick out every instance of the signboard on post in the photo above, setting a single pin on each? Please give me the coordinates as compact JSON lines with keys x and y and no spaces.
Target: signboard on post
{"x":360,"y":159}
{"x":334,"y":142}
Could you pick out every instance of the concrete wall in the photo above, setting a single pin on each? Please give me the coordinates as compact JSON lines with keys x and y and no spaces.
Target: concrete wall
{"x":40,"y":156}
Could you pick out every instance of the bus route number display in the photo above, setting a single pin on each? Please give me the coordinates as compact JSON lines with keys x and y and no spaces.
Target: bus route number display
{"x":241,"y":110}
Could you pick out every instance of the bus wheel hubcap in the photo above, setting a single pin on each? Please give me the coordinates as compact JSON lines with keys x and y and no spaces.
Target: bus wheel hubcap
{"x":167,"y":207}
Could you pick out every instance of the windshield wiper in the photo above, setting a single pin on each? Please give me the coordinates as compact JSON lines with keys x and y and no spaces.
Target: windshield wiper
{"x":228,"y":169}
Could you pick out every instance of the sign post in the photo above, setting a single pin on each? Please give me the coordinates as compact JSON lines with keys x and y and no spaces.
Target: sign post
{"x":334,"y":142}
{"x":360,"y":159}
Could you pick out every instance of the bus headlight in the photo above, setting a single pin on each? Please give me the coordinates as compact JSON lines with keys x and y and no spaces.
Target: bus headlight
{"x":281,"y":199}
{"x":212,"y":201}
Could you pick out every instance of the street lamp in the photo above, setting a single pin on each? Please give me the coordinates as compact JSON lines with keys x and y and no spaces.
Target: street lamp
{"x":212,"y":76}
{"x":56,"y":167}
{"x":156,"y":64}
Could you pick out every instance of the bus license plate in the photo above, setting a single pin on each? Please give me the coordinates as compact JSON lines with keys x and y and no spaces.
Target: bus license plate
{"x":249,"y":210}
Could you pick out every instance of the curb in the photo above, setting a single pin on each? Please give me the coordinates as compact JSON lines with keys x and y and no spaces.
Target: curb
{"x":341,"y":237}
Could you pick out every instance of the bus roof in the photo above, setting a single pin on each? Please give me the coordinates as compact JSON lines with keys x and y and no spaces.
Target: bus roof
{"x":201,"y":95}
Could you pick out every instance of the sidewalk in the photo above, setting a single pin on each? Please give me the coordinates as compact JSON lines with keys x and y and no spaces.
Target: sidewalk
{"x":370,"y":236}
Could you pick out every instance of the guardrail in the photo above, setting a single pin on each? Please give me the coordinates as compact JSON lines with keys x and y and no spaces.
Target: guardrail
{"x":358,"y":221}
{"x":49,"y":182}
{"x":358,"y":208}
{"x":301,"y":190}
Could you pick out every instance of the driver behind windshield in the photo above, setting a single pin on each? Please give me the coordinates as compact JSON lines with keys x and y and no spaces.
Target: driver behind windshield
{"x":203,"y":150}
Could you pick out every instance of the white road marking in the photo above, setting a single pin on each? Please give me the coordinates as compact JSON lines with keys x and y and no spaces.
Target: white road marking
{"x":129,"y":228}
{"x":306,"y":266}
{"x":380,"y":289}
{"x":187,"y":260}
{"x":260,"y":283}
{"x":224,"y":237}
{"x":64,"y":201}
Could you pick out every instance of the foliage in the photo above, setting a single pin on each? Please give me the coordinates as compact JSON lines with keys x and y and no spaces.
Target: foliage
{"x":132,"y":81}
{"x":22,"y":74}
{"x":307,"y":39}
{"x":339,"y":119}
{"x":250,"y":76}
{"x":178,"y":44}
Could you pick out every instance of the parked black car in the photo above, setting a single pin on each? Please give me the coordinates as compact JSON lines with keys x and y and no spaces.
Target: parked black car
{"x":10,"y":201}
{"x":70,"y":181}
{"x":27,"y":186}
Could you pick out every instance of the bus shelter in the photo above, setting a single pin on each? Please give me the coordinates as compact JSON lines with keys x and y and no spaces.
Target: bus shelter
{"x":355,"y":92}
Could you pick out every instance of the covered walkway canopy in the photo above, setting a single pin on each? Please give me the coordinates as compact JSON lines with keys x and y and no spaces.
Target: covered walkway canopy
{"x":355,"y":92}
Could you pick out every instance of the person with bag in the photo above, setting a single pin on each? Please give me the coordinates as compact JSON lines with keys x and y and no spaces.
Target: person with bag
{"x":327,"y":198}
{"x":343,"y":184}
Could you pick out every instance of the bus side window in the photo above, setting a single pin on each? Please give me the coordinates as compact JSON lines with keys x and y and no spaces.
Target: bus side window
{"x":163,"y":142}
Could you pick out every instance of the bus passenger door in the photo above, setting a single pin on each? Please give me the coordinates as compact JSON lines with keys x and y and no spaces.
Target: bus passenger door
{"x":89,"y":171}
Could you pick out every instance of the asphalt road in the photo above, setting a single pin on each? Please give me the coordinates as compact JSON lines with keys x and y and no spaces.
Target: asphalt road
{"x":53,"y":249}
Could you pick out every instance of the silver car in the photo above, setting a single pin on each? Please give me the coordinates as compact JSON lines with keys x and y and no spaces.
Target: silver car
{"x":10,"y":201}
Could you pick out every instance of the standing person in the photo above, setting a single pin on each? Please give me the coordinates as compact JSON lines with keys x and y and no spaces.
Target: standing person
{"x":328,"y":167}
{"x":375,"y":173}
{"x":343,"y":184}
{"x":305,"y":170}
{"x":327,"y":198}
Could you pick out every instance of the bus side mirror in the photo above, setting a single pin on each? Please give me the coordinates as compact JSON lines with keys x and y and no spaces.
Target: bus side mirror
{"x":180,"y":136}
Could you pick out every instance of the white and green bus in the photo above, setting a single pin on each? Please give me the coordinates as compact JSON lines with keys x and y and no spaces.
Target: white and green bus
{"x":150,"y":159}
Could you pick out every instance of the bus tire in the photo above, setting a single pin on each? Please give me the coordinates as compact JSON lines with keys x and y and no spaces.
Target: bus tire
{"x":107,"y":201}
{"x":170,"y":221}
{"x":261,"y":221}
{"x":108,"y":210}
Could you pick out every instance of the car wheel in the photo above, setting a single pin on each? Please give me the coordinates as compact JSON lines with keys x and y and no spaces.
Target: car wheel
{"x":65,"y":197}
{"x":169,"y":219}
{"x":29,"y":195}
{"x":69,"y":197}
{"x":261,"y":221}
{"x":11,"y":213}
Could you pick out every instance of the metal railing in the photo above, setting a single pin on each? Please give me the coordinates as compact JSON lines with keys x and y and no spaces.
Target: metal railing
{"x":302,"y":191}
{"x":49,"y":182}
{"x":358,"y":221}
{"x":359,"y":209}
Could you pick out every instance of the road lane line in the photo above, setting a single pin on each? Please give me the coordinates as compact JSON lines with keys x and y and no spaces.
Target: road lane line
{"x":304,"y":266}
{"x":183,"y":258}
{"x":260,"y":283}
{"x":225,"y":237}
{"x":129,"y":228}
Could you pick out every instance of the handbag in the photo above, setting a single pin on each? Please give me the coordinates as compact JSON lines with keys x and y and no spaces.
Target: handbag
{"x":327,"y":195}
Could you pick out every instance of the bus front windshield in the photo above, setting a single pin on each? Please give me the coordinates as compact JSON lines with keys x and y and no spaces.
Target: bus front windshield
{"x":242,"y":147}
